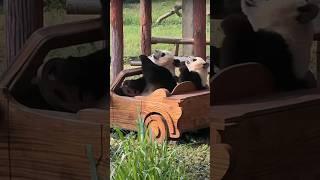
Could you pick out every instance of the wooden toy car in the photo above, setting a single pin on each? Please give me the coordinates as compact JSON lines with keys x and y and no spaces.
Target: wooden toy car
{"x":167,"y":114}
{"x":261,"y":133}
{"x":36,"y":141}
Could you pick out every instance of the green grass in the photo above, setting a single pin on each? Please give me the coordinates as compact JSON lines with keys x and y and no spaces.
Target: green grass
{"x":170,"y":27}
{"x":139,"y":157}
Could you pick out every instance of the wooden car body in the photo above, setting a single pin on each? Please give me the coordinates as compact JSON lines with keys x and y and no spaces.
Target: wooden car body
{"x":261,"y":133}
{"x":37,"y":142}
{"x":167,"y":114}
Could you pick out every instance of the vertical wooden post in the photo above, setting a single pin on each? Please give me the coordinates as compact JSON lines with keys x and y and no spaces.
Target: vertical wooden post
{"x":199,"y":28}
{"x":116,"y":36}
{"x":187,"y":25}
{"x":145,"y":21}
{"x":318,"y":63}
{"x":22,"y":18}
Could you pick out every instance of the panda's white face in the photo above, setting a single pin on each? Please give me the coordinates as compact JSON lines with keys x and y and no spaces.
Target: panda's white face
{"x":292,"y":19}
{"x":197,"y":64}
{"x":265,"y":14}
{"x":164,"y":59}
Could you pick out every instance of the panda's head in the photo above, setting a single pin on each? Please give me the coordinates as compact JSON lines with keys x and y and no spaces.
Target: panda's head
{"x":198,"y":65}
{"x":292,"y":19}
{"x":165,"y":59}
{"x":270,"y":14}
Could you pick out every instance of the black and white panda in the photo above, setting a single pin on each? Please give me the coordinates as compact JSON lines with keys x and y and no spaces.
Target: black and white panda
{"x":195,"y":70}
{"x":155,"y":70}
{"x":280,"y":37}
{"x":156,"y":76}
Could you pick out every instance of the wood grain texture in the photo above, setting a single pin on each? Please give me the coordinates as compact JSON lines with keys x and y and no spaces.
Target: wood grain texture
{"x":44,"y":144}
{"x":181,"y":110}
{"x":22,"y":19}
{"x":4,"y":138}
{"x":248,"y":80}
{"x":272,"y":138}
{"x":51,"y":147}
{"x":145,"y":23}
{"x":199,"y":28}
{"x":187,"y":25}
{"x":116,"y":10}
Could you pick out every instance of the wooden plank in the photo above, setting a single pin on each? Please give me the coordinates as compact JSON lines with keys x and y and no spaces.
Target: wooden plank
{"x":52,"y":147}
{"x":279,"y":145}
{"x":83,"y":7}
{"x":4,"y":139}
{"x":22,"y":18}
{"x":170,"y":40}
{"x":318,"y":63}
{"x":145,"y":22}
{"x":187,"y":25}
{"x":199,"y":28}
{"x":116,"y":7}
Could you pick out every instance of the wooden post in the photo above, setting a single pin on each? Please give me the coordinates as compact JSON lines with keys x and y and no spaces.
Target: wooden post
{"x":187,"y":25}
{"x":145,"y":21}
{"x":199,"y":28}
{"x":116,"y":37}
{"x":22,"y":18}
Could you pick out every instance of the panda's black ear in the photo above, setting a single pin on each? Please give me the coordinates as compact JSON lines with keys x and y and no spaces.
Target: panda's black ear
{"x":176,"y":62}
{"x":206,"y":65}
{"x":143,"y":57}
{"x":307,"y":13}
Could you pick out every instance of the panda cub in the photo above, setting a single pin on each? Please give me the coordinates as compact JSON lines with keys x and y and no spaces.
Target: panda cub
{"x":195,"y":70}
{"x":277,"y":34}
{"x":155,"y":74}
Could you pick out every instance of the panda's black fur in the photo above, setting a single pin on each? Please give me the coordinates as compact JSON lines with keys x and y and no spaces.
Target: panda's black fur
{"x":133,"y":87}
{"x":194,"y":69}
{"x":194,"y":77}
{"x":242,"y":44}
{"x":161,"y":59}
{"x":156,"y":76}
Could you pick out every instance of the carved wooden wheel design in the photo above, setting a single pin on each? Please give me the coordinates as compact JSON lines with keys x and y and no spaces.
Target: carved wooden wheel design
{"x":158,"y":127}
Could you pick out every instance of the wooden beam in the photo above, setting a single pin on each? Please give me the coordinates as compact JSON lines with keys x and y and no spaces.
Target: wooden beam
{"x":187,"y":26}
{"x":199,"y":28}
{"x":116,"y":7}
{"x":22,"y":18}
{"x":145,"y":22}
{"x":83,"y":6}
{"x":170,"y":40}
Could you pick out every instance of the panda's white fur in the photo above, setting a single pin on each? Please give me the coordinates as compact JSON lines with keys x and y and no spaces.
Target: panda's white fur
{"x":198,"y":65}
{"x":164,"y":59}
{"x":280,"y":16}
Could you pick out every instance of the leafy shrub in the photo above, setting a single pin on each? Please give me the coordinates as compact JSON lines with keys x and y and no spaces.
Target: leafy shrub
{"x":138,"y":157}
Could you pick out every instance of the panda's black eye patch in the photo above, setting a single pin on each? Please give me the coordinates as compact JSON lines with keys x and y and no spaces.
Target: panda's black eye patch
{"x":163,"y":54}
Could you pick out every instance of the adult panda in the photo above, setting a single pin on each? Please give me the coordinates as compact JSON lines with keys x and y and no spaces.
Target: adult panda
{"x":280,"y":37}
{"x":155,"y":74}
{"x":195,"y":70}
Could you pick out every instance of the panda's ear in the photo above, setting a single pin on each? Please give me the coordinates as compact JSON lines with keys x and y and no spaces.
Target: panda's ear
{"x":307,"y":13}
{"x":176,"y":62}
{"x":143,"y":57}
{"x":206,"y":65}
